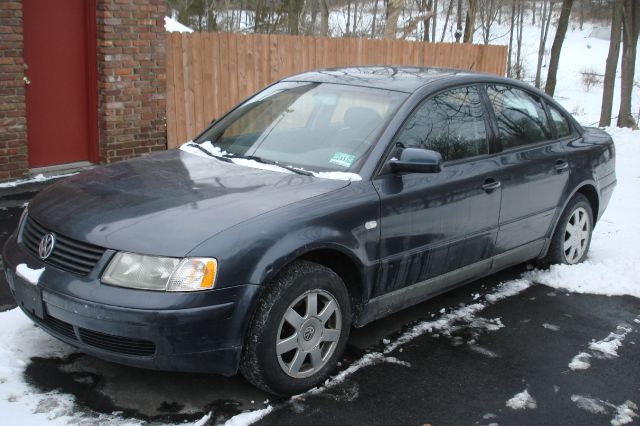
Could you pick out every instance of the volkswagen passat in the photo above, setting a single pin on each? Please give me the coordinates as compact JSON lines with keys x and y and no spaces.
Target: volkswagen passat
{"x":326,"y":201}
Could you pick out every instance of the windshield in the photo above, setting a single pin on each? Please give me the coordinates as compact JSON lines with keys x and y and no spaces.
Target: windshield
{"x":313,"y":126}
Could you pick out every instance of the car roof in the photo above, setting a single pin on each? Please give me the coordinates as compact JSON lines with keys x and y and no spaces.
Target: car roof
{"x":399,"y":78}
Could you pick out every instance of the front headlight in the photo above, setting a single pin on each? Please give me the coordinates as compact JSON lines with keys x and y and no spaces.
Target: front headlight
{"x":160,"y":273}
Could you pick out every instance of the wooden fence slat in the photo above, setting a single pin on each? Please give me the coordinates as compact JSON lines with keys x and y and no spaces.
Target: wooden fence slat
{"x":208,"y":73}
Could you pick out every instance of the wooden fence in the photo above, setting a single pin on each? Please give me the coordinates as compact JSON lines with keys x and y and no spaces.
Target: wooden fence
{"x":208,"y":73}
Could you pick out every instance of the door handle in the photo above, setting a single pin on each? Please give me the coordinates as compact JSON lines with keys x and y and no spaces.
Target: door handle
{"x":490,"y":185}
{"x":561,"y":166}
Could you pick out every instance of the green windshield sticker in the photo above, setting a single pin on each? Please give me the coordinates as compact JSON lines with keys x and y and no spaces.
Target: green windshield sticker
{"x":342,"y":159}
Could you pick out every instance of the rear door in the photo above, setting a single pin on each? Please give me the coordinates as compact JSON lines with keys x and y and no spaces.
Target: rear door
{"x":432,"y":224}
{"x":534,"y":172}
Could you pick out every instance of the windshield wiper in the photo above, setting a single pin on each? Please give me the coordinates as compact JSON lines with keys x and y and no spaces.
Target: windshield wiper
{"x":195,"y":145}
{"x":275,"y":163}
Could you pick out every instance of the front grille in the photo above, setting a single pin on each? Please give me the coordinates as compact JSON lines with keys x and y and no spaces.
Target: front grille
{"x":59,"y":326}
{"x":68,"y":254}
{"x":54,"y":325}
{"x":122,"y":345}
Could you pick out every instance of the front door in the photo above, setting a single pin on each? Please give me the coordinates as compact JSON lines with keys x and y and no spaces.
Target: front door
{"x":60,"y":114}
{"x":436,"y":223}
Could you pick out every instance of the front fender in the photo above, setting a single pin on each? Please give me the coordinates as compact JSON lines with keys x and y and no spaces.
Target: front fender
{"x":255,"y":251}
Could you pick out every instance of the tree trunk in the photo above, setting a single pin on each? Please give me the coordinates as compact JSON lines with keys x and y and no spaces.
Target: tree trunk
{"x":426,"y":5}
{"x":513,"y":21}
{"x":459,"y":24}
{"x":563,"y":22}
{"x":545,"y":19}
{"x":324,"y":20}
{"x":393,"y":12}
{"x":446,"y":20}
{"x":470,"y":21}
{"x":355,"y":17}
{"x":373,"y":22}
{"x":581,"y":14}
{"x":519,"y":50}
{"x":533,"y":13}
{"x":609,"y":83}
{"x":630,"y":31}
{"x":348,"y":17}
{"x":293,"y":16}
{"x":434,"y":20}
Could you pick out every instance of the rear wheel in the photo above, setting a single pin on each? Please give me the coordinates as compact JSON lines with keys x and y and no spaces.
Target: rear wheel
{"x":299,"y":330}
{"x":572,"y":237}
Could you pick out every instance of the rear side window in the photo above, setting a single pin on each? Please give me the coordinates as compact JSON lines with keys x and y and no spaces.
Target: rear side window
{"x":520,"y":117}
{"x":450,"y":123}
{"x":562,"y":124}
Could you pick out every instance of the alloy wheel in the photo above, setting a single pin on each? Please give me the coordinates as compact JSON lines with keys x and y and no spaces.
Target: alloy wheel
{"x":576,"y":235}
{"x":308,"y":333}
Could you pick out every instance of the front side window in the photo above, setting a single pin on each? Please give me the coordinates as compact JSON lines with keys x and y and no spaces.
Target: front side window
{"x":451,"y":123}
{"x":313,"y":126}
{"x":521,"y":118}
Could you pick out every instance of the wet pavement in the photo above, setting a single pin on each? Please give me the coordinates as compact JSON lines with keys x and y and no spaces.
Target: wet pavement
{"x":463,"y":376}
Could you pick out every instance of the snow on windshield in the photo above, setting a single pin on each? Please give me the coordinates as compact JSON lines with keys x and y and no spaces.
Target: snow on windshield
{"x":197,"y":149}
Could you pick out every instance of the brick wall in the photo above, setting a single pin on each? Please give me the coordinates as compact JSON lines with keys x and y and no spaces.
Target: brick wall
{"x":131,"y":77}
{"x":13,"y":137}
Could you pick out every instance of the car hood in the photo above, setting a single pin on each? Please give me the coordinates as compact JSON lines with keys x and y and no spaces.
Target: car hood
{"x":167,"y":203}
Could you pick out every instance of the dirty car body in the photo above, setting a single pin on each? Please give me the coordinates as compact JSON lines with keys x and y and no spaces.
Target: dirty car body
{"x":396,"y":236}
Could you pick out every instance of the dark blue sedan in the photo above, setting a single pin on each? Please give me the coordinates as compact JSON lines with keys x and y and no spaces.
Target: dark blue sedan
{"x":327,"y":200}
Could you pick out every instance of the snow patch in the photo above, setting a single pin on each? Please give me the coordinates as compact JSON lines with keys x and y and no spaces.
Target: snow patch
{"x":171,"y":25}
{"x":249,"y":417}
{"x":582,"y":361}
{"x":551,"y":327}
{"x":192,"y":148}
{"x":591,"y":405}
{"x":608,"y":346}
{"x":625,"y":413}
{"x":31,"y":275}
{"x":522,"y":401}
{"x":37,"y":178}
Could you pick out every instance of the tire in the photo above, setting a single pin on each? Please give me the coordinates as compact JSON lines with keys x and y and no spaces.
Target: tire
{"x":572,"y":236}
{"x":310,"y":343}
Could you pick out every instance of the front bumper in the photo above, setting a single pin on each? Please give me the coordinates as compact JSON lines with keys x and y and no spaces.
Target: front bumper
{"x":164,"y":331}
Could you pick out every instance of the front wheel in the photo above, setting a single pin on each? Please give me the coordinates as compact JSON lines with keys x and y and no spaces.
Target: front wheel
{"x":572,"y":237}
{"x":299,"y":330}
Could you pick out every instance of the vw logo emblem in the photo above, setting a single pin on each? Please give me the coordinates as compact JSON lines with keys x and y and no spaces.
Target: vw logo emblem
{"x":308,"y":333}
{"x":47,"y":243}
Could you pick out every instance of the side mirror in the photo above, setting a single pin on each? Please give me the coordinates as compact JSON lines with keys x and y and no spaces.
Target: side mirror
{"x":416,"y":160}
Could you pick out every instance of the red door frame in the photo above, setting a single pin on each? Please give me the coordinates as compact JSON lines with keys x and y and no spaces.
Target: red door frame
{"x":91,"y":42}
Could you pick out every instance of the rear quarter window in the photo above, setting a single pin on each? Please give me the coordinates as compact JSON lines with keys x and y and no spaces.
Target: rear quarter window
{"x":560,"y":121}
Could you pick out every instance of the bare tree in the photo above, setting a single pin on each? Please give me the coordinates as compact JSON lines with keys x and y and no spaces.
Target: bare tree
{"x":446,"y":20}
{"x":459,"y":21}
{"x":488,"y":12}
{"x":563,"y":22}
{"x":394,"y":7}
{"x":434,"y":20}
{"x":612,"y":64}
{"x":545,"y":19}
{"x":630,"y":32}
{"x":511,"y":27}
{"x":519,"y":68}
{"x":470,"y":21}
{"x":373,"y":21}
{"x":324,"y":18}
{"x":393,"y":12}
